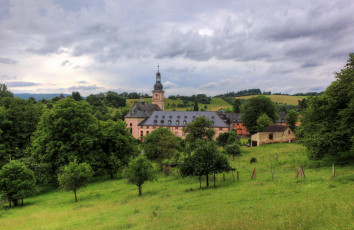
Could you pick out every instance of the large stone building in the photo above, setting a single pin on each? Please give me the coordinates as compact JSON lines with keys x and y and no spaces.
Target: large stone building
{"x":144,"y":118}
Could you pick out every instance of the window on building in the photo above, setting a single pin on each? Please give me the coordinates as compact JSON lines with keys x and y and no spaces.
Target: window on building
{"x":156,"y":116}
{"x":162,"y":121}
{"x":176,"y":133}
{"x":184,"y":122}
{"x":156,"y":95}
{"x":178,"y":117}
{"x":177,"y":122}
{"x":183,"y":134}
{"x":170,"y":117}
{"x":185,"y":117}
{"x":155,"y":121}
{"x":289,"y":131}
{"x":176,"y":127}
{"x":147,"y":127}
{"x":169,"y":121}
{"x":212,"y":117}
{"x":153,"y":127}
{"x":220,"y":129}
{"x":271,"y":136}
{"x":147,"y":132}
{"x":163,"y":117}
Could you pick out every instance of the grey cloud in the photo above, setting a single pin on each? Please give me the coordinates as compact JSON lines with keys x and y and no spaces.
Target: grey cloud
{"x":66,"y":62}
{"x":6,"y":77}
{"x":84,"y":88}
{"x":8,"y":61}
{"x":82,"y":82}
{"x":21,"y":84}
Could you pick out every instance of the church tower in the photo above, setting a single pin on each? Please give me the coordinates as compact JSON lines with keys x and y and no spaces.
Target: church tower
{"x":158,"y":93}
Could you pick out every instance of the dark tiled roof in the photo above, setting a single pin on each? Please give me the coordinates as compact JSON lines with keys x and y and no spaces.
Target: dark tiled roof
{"x":231,"y":117}
{"x":276,"y":128}
{"x":142,"y":110}
{"x":181,"y":118}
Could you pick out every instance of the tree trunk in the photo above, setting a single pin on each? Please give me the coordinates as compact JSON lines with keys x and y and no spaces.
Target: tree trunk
{"x":200,"y":181}
{"x":139,"y":190}
{"x":75,"y":196}
{"x":15,"y":202}
{"x":214,"y":180}
{"x":207,"y":181}
{"x":9,"y":203}
{"x":111,"y":175}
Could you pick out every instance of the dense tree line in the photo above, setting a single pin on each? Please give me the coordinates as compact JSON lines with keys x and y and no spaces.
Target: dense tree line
{"x":241,"y":93}
{"x":327,"y":122}
{"x":201,"y":98}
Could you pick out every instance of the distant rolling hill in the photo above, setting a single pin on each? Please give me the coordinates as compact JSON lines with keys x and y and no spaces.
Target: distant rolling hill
{"x":38,"y":96}
{"x":282,"y":99}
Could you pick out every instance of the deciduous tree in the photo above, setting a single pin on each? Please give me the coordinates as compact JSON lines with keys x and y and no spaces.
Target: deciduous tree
{"x":327,"y":123}
{"x":254,"y":107}
{"x":75,"y":176}
{"x":160,"y":144}
{"x":140,"y":170}
{"x":16,"y":182}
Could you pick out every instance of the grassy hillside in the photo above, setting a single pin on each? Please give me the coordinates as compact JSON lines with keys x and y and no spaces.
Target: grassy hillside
{"x":283,"y":99}
{"x":317,"y":202}
{"x":215,"y":105}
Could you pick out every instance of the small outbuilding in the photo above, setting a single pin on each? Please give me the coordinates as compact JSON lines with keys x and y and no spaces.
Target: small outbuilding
{"x":273,"y":134}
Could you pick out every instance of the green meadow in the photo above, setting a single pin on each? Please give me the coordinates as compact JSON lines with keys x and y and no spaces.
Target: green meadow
{"x":315,"y":202}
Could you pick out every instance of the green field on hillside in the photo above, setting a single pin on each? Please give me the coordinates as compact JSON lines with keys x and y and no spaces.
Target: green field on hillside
{"x":281,"y":99}
{"x":172,"y":202}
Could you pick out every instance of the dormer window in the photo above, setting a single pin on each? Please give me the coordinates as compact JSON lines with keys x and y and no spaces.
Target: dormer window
{"x":163,"y":117}
{"x":185,"y":117}
{"x":212,"y":117}
{"x":162,"y":121}
{"x":170,"y":117}
{"x":178,"y":117}
{"x":155,"y":121}
{"x":184,"y":122}
{"x":193,"y":117}
{"x":177,"y":122}
{"x":156,"y":116}
{"x":169,"y":121}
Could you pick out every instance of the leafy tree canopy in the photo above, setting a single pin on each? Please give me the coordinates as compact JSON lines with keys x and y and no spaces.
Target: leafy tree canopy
{"x":16,"y":182}
{"x":227,"y":138}
{"x":140,"y":170}
{"x":254,"y":108}
{"x":18,"y":121}
{"x":4,"y":92}
{"x":67,"y":132}
{"x":327,"y":123}
{"x":75,"y":176}
{"x":292,"y":118}
{"x":160,"y":144}
{"x":262,"y":122}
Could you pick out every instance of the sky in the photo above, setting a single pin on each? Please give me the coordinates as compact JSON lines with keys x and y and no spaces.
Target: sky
{"x":201,"y":46}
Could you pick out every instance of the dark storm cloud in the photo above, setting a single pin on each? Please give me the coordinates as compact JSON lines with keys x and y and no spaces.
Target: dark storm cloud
{"x":21,"y":84}
{"x":8,"y":61}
